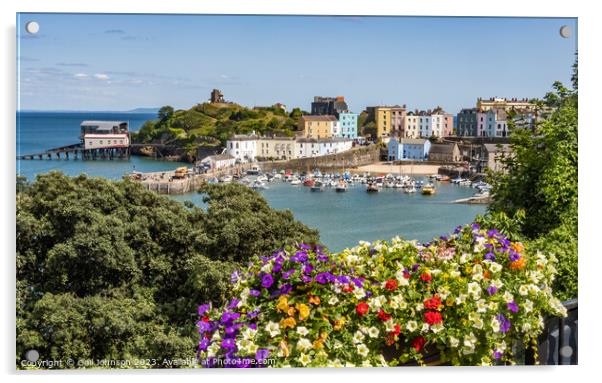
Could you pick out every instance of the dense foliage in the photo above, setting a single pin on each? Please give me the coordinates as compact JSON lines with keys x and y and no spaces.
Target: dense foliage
{"x":212,"y":124}
{"x":538,"y":191}
{"x":108,"y":270}
{"x":470,"y":297}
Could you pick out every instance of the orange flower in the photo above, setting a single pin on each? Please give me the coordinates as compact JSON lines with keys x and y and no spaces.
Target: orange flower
{"x":486,"y":274}
{"x":284,"y":348}
{"x":518,"y":264}
{"x":291,"y":311}
{"x":338,"y":324}
{"x":518,"y":247}
{"x":288,"y":322}
{"x":314,"y":299}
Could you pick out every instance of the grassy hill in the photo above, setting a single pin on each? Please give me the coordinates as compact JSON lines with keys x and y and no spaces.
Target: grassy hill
{"x":209,"y":124}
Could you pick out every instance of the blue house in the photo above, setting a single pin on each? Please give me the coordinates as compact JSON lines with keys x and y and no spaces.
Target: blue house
{"x":348,"y":125}
{"x":408,"y":149}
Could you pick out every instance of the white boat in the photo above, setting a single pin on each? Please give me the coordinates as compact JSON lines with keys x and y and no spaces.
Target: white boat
{"x":409,"y":189}
{"x":257,"y":185}
{"x":341,"y":186}
{"x":465,"y":183}
{"x":295,"y":181}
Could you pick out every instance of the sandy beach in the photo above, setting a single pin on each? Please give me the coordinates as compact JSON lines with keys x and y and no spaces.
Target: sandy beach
{"x":385,"y":168}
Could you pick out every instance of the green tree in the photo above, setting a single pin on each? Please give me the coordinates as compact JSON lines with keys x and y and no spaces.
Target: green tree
{"x":107,"y":269}
{"x":538,"y":188}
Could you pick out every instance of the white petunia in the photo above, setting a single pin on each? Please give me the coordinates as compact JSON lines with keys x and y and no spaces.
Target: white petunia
{"x":273,"y":328}
{"x":412,"y":326}
{"x":358,"y":337}
{"x":304,"y":344}
{"x":362,"y":349}
{"x":213,"y":349}
{"x":495,"y":267}
{"x":373,"y":332}
{"x":523,"y":290}
{"x":495,"y":324}
{"x":528,"y":306}
{"x":474,"y":289}
{"x":333,"y":301}
{"x":302,"y":330}
{"x":304,"y":359}
{"x":454,"y":342}
{"x":359,"y":293}
{"x":508,"y":297}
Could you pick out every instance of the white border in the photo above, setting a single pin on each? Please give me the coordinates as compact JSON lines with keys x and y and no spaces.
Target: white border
{"x":590,"y":128}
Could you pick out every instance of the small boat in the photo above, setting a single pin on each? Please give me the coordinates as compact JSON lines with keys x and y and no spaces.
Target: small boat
{"x":409,"y":189}
{"x":341,"y":187}
{"x":465,"y":183}
{"x":295,"y":181}
{"x":428,"y":189}
{"x":258,"y":185}
{"x":253,"y":171}
{"x":309,"y":182}
{"x":372,"y":188}
{"x":443,"y":179}
{"x":317,"y":187}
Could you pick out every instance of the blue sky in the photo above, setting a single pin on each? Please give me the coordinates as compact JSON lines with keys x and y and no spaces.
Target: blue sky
{"x":121,"y":62}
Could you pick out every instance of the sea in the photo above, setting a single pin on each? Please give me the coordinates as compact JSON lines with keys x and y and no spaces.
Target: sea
{"x":342,"y":219}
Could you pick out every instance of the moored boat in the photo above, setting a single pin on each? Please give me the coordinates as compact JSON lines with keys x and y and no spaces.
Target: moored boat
{"x":372,"y":188}
{"x":428,"y":189}
{"x":341,"y":187}
{"x":318,"y":186}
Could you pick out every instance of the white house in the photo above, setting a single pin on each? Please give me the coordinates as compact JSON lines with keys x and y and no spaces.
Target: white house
{"x":243,"y":147}
{"x":311,"y":147}
{"x":219,"y":161}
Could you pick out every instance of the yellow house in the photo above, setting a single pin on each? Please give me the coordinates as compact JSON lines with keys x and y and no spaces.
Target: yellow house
{"x":382,"y":117}
{"x":279,"y":148}
{"x":318,"y":126}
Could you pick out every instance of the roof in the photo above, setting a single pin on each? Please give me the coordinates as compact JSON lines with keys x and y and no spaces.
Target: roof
{"x":419,"y":141}
{"x":218,"y":157}
{"x":442,"y":148}
{"x":319,"y":118}
{"x":101,"y":124}
{"x":120,"y":136}
{"x":244,"y":137}
{"x":324,"y":140}
{"x":493,"y":148}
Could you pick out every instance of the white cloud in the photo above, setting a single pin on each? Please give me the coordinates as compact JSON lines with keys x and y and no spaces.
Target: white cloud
{"x":101,"y":76}
{"x":80,"y":76}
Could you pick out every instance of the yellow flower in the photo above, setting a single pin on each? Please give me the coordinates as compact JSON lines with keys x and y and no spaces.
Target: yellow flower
{"x":284,"y":348}
{"x":282,"y":303}
{"x":303,"y":311}
{"x":291,"y":311}
{"x":288,"y":322}
{"x":449,"y":302}
{"x":338,"y":324}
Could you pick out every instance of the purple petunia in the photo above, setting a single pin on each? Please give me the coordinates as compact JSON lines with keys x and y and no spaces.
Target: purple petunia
{"x":415,"y":267}
{"x":203,"y":344}
{"x":492,"y":290}
{"x":262,"y":354}
{"x":287,"y":274}
{"x":304,"y":246}
{"x":285,"y":288}
{"x":306,"y":279}
{"x":203,"y":327}
{"x":267,"y":280}
{"x":228,"y":343}
{"x":490,"y":256}
{"x":323,"y":278}
{"x":233,"y":303}
{"x":512,"y":306}
{"x":322,"y":257}
{"x":497,"y":354}
{"x":308,"y":269}
{"x":358,"y":282}
{"x":504,"y":323}
{"x":204,"y":308}
{"x":254,"y":293}
{"x":252,"y":314}
{"x":343,"y":279}
{"x":514,"y":256}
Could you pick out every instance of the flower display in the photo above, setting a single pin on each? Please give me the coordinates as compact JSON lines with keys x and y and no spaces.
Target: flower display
{"x":467,"y":297}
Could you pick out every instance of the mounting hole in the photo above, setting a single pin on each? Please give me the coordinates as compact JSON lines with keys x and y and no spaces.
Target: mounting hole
{"x":32,"y":27}
{"x":565,"y":31}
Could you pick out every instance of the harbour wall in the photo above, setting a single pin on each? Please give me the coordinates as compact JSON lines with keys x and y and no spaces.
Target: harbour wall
{"x":355,"y":157}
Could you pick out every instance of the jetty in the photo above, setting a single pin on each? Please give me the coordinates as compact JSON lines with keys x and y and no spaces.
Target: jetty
{"x":78,"y":151}
{"x":474,"y":200}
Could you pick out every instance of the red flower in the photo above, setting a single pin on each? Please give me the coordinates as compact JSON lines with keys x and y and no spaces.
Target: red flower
{"x":433,"y":317}
{"x":348,"y":288}
{"x":432,"y":303}
{"x":362,"y":308}
{"x":418,"y":343}
{"x":391,"y":285}
{"x":425,"y":277}
{"x":406,"y":274}
{"x":397,"y":329}
{"x":383,"y":316}
{"x":389,"y":339}
{"x":205,"y":319}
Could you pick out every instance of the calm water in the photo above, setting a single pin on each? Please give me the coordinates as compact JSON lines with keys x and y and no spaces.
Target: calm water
{"x":39,"y":131}
{"x":343,"y":219}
